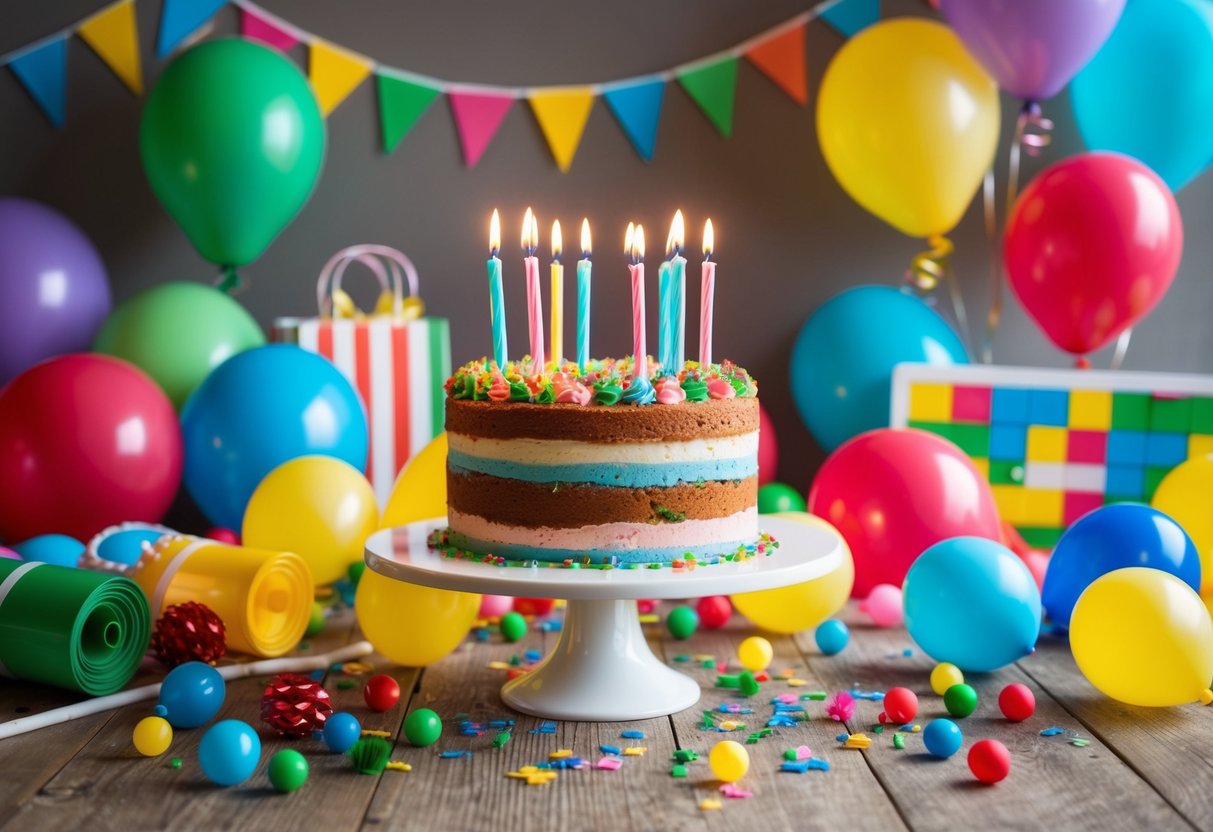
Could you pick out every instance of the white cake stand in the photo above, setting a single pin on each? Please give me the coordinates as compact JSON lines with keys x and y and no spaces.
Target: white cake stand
{"x":602,"y":669}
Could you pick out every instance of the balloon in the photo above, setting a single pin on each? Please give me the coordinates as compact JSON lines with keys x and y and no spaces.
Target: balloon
{"x":1033,"y":47}
{"x":409,"y":624}
{"x":58,"y":549}
{"x":232,"y":142}
{"x":177,"y":333}
{"x":257,"y":410}
{"x":790,"y":609}
{"x":778,"y":497}
{"x":1149,"y":91}
{"x":884,"y":605}
{"x":1143,"y":637}
{"x":320,"y":508}
{"x":86,"y":442}
{"x":8,"y":554}
{"x":892,"y":493}
{"x":970,"y":601}
{"x":1183,"y":494}
{"x":494,"y":606}
{"x":865,"y":331}
{"x":768,"y":448}
{"x":1113,"y":537}
{"x":908,"y":124}
{"x":192,"y":693}
{"x":420,"y":490}
{"x":152,"y":736}
{"x":1091,"y":246}
{"x":229,"y":752}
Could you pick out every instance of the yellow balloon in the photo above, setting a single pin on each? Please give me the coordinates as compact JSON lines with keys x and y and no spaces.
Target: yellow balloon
{"x":1142,"y":636}
{"x":152,"y":736}
{"x":1184,"y":495}
{"x":908,"y":123}
{"x":412,"y":625}
{"x":420,"y":490}
{"x":318,"y":507}
{"x":790,"y":609}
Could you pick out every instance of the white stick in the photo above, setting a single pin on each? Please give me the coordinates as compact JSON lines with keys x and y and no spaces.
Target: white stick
{"x":290,"y":664}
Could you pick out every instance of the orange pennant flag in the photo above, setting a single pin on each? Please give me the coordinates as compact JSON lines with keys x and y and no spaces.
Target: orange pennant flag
{"x":782,"y":60}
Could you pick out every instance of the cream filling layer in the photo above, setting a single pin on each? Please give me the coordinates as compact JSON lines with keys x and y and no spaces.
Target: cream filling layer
{"x":569,"y":452}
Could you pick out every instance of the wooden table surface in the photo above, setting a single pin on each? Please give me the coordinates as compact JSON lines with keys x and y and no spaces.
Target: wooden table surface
{"x":1143,"y":769}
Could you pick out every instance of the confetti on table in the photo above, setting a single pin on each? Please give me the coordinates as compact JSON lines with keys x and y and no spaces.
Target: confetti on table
{"x":899,"y":741}
{"x":501,"y":739}
{"x":1080,"y":742}
{"x":397,"y":765}
{"x":1052,"y":732}
{"x":732,"y":790}
{"x":685,"y":755}
{"x":610,"y":763}
{"x":710,"y":804}
{"x":855,"y":740}
{"x":545,"y":728}
{"x":454,"y":755}
{"x":797,"y":683}
{"x":632,"y":735}
{"x":813,"y":696}
{"x":368,"y":732}
{"x":678,"y":770}
{"x":560,"y":754}
{"x":634,"y":751}
{"x":609,"y":749}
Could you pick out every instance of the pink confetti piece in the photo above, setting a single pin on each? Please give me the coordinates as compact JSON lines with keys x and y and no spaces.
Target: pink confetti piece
{"x":734,"y":791}
{"x":841,"y":706}
{"x":610,"y":763}
{"x":803,"y":752}
{"x":786,"y":698}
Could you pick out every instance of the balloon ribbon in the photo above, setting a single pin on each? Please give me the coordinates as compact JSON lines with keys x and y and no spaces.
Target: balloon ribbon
{"x":929,"y":268}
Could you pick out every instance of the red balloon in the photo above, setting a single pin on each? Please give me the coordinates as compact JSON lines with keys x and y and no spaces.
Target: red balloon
{"x":989,"y":761}
{"x":768,"y":448}
{"x":86,"y":441}
{"x":1091,"y":246}
{"x":891,"y":493}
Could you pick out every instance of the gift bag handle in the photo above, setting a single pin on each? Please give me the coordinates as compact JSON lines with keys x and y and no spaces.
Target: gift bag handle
{"x":391,"y":269}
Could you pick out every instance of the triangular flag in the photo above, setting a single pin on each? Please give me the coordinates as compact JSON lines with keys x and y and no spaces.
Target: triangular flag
{"x":114,"y":37}
{"x":638,"y":109}
{"x":782,"y":60}
{"x":181,"y":18}
{"x":562,"y":114}
{"x":713,"y":87}
{"x":401,"y":103}
{"x":334,"y":74}
{"x":255,"y":27}
{"x":43,"y":73}
{"x":477,"y":117}
{"x":847,"y":17}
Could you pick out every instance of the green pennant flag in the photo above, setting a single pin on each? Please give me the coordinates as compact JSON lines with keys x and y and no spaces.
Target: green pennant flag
{"x":713,"y":88}
{"x":401,"y":103}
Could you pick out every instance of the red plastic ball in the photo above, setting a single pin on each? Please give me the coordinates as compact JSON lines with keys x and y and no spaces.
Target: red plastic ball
{"x":222,"y":535}
{"x":901,"y":705}
{"x":1017,"y":702}
{"x":295,"y":705}
{"x":533,"y":606}
{"x":189,"y":632}
{"x":989,"y":761}
{"x":381,"y":693}
{"x":714,"y":611}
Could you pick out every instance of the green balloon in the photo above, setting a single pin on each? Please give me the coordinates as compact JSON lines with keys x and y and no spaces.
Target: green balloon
{"x":232,"y":142}
{"x":177,"y":333}
{"x":775,"y":497}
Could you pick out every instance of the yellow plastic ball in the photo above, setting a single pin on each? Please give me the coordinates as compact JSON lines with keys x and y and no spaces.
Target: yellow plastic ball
{"x":755,"y":653}
{"x":944,"y":675}
{"x":152,"y":736}
{"x":729,"y":761}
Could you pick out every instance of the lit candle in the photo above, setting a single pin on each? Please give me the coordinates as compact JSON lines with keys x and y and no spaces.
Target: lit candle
{"x":663,"y":311}
{"x":496,"y":297}
{"x":583,"y":298}
{"x":706,"y":296}
{"x":557,"y":297}
{"x":534,"y":300}
{"x":634,"y":243}
{"x":678,"y":296}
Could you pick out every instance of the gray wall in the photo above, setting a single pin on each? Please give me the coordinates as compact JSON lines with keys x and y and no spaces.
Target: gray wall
{"x":789,"y":237}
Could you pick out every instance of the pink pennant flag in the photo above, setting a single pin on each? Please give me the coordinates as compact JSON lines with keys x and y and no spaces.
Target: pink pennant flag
{"x":258,"y":28}
{"x":477,"y":117}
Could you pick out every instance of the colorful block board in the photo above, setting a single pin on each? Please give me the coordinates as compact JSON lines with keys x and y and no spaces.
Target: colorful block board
{"x":1055,"y":444}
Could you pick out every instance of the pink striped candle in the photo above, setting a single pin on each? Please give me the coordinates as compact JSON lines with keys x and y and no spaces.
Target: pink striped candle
{"x":639,"y":350}
{"x":707,"y":296}
{"x":534,"y":297}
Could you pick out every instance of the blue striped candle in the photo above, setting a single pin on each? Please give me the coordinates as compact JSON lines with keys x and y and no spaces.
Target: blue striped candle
{"x":663,"y":315}
{"x":677,"y":312}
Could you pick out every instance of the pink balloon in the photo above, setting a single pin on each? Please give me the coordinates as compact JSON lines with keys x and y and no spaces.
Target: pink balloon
{"x":495,"y":606}
{"x":883,"y":605}
{"x":8,"y":553}
{"x":1037,"y":563}
{"x":768,"y":448}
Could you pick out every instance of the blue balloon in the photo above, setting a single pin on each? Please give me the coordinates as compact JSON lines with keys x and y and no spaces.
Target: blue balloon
{"x":192,"y":693}
{"x":58,"y":549}
{"x":972,"y":602}
{"x":257,"y":410}
{"x":942,"y":737}
{"x":832,"y":636}
{"x":1110,"y":538}
{"x":125,"y":546}
{"x":341,"y":731}
{"x":843,"y":359}
{"x":229,"y":752}
{"x":1149,"y":91}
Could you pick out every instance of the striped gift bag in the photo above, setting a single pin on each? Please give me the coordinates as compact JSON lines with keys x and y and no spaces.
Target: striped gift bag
{"x":396,"y":357}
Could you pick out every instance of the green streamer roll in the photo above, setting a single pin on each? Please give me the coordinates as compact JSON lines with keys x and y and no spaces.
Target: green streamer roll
{"x":71,"y":628}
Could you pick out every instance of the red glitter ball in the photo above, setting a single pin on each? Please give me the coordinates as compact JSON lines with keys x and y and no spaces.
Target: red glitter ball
{"x":189,"y":632}
{"x":295,"y":705}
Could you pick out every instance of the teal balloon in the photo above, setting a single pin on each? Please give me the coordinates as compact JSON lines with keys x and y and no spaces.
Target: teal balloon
{"x":232,"y":142}
{"x":843,"y":359}
{"x":776,"y":497}
{"x":1148,"y":92}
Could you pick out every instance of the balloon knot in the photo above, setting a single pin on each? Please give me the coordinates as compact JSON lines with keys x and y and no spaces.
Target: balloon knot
{"x":229,"y":281}
{"x":1082,"y":363}
{"x":1032,"y":129}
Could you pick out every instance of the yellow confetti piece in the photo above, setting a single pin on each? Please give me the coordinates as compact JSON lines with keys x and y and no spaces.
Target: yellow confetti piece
{"x":634,"y":751}
{"x":561,"y":754}
{"x":729,"y":725}
{"x":710,"y":804}
{"x":368,"y":732}
{"x":857,"y":741}
{"x":916,"y":729}
{"x":356,"y":668}
{"x":536,"y":780}
{"x":397,"y":765}
{"x":533,"y":775}
{"x":649,"y":618}
{"x":498,"y":666}
{"x":796,"y":683}
{"x":703,"y":657}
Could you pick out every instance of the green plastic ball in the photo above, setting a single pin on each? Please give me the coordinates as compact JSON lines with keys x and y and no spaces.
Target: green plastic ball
{"x":776,"y":497}
{"x":316,"y":621}
{"x":422,"y":727}
{"x":288,"y":770}
{"x":513,"y":626}
{"x":960,"y":700}
{"x":682,"y":622}
{"x":354,"y":571}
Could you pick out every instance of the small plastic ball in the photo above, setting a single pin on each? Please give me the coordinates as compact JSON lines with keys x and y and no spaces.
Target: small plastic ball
{"x":714,"y":611}
{"x":354,"y":572}
{"x":381,"y":693}
{"x":884,"y":606}
{"x":192,"y":693}
{"x":942,"y":737}
{"x":534,"y":606}
{"x":944,"y":675}
{"x":755,"y":653}
{"x":960,"y":700}
{"x":288,"y":770}
{"x":1017,"y":702}
{"x":990,"y":761}
{"x":682,"y":622}
{"x":229,"y":752}
{"x":341,"y":731}
{"x":315,"y":621}
{"x":729,"y":761}
{"x":832,"y":636}
{"x":901,"y":705}
{"x":775,"y":497}
{"x":222,"y":535}
{"x":422,"y":727}
{"x":495,"y":606}
{"x":513,"y":627}
{"x":152,"y":736}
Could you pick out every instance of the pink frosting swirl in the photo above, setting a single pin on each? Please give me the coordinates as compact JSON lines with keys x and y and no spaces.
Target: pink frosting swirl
{"x":719,"y":388}
{"x":499,"y":388}
{"x":669,"y":391}
{"x":570,"y":390}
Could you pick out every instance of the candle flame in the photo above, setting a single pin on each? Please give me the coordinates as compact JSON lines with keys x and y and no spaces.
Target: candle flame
{"x":673,"y":244}
{"x":709,"y":240}
{"x":629,"y":238}
{"x":585,"y":238}
{"x":638,"y":244}
{"x":557,"y":241}
{"x":530,"y":233}
{"x":495,"y":233}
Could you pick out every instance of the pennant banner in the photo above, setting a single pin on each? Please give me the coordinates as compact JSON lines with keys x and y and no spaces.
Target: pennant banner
{"x":713,"y":88}
{"x":263,"y":29}
{"x":181,"y":18}
{"x":477,"y":117}
{"x":562,"y":115}
{"x":637,"y":108}
{"x":112,"y":34}
{"x":782,"y":60}
{"x":401,"y":103}
{"x":335,"y":73}
{"x":848,"y":17}
{"x":43,"y":73}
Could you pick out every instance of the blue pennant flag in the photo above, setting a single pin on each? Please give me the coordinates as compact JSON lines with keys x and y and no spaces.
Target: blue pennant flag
{"x":43,"y":73}
{"x":638,"y":109}
{"x":181,"y":18}
{"x":847,"y":17}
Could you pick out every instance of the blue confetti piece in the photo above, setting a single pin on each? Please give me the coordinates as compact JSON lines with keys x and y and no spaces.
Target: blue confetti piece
{"x":545,"y":728}
{"x":798,"y":767}
{"x":907,"y":652}
{"x":870,"y":695}
{"x":841,"y":737}
{"x":609,"y":749}
{"x":481,"y":634}
{"x":818,"y":765}
{"x":1052,"y":732}
{"x":778,"y":721}
{"x":454,"y":755}
{"x":532,"y":655}
{"x":501,"y":723}
{"x":551,"y":625}
{"x":632,"y":735}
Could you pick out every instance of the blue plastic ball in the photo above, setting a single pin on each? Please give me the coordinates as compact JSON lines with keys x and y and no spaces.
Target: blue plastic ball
{"x":192,"y":693}
{"x":229,"y":752}
{"x":832,"y":636}
{"x":126,"y":546}
{"x":341,"y":731}
{"x":942,"y":737}
{"x":57,"y":549}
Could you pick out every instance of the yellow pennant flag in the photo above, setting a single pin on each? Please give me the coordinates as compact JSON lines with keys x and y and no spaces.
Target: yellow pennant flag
{"x":335,"y":73}
{"x":113,"y":36}
{"x":562,"y":114}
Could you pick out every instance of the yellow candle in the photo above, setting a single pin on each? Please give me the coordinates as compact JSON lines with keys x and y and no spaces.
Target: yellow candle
{"x":557,"y":351}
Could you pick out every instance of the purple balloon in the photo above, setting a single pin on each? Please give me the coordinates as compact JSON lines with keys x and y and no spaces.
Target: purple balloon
{"x":54,"y":294}
{"x":1033,"y":47}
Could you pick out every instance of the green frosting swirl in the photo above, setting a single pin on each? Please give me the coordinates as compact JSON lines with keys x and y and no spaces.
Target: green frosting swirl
{"x":696,"y":390}
{"x":609,"y":394}
{"x":547,"y":395}
{"x":519,"y":392}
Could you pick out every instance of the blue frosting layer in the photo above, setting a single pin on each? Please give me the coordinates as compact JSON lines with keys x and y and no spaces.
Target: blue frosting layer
{"x":622,"y":475}
{"x":660,"y":554}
